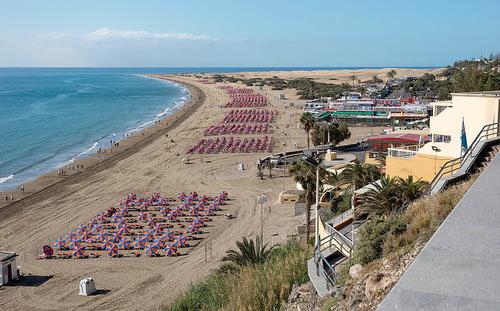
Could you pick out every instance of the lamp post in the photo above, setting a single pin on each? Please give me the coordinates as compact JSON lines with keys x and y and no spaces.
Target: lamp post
{"x":315,"y":163}
{"x":261,"y":200}
{"x":436,"y":150}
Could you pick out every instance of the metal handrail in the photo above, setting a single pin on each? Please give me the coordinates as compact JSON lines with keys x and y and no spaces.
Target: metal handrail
{"x":340,"y":218}
{"x":345,"y":245}
{"x":320,"y":262}
{"x":451,"y":166}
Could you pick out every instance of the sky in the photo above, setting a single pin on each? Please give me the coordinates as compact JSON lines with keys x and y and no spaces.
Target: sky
{"x":244,"y":33}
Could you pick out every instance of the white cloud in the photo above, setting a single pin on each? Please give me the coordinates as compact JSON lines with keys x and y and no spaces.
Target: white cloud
{"x":54,"y":35}
{"x":107,"y":33}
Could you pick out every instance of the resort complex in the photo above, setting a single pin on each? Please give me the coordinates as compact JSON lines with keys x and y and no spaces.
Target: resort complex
{"x":249,"y":155}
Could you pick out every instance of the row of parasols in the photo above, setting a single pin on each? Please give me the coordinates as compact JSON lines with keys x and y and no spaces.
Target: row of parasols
{"x":232,"y":145}
{"x":152,"y":226}
{"x":249,"y":116}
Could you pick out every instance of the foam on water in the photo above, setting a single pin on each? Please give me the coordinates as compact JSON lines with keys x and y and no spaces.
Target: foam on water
{"x":53,"y":118}
{"x":4,"y":179}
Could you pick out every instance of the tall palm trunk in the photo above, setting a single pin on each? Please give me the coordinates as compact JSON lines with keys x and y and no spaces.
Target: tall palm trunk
{"x":308,"y":215}
{"x":307,"y":138}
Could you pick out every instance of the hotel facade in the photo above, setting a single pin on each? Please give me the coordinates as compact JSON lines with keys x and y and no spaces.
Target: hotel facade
{"x":473,"y":110}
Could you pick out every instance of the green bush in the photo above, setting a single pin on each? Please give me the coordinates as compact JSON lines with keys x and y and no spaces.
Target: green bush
{"x":208,"y":294}
{"x":372,"y":237}
{"x":263,"y":286}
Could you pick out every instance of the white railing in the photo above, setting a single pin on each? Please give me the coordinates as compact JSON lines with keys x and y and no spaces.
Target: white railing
{"x":340,"y":218}
{"x":401,"y":153}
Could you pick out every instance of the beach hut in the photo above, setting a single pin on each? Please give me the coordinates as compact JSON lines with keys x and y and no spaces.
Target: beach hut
{"x":112,"y":251}
{"x":8,"y":267}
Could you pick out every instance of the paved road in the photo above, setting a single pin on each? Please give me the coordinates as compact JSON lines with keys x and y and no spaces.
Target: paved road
{"x":459,"y":268}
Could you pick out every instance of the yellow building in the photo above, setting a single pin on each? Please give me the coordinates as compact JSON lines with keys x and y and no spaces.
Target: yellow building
{"x":476,"y":109}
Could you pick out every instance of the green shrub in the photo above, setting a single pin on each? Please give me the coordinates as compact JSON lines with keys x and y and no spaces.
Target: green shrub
{"x":263,"y":286}
{"x":208,"y":294}
{"x":372,"y":237}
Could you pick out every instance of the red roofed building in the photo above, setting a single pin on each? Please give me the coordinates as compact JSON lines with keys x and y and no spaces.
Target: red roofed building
{"x":380,"y":144}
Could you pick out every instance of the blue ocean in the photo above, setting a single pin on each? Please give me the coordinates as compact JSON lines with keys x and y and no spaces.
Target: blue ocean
{"x":52,"y":116}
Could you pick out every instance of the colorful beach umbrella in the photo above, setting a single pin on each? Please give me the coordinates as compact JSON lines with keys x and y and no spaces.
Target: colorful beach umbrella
{"x":60,"y":244}
{"x":112,"y":251}
{"x":143,"y":216}
{"x":78,"y":251}
{"x":151,"y":250}
{"x":125,"y":244}
{"x":141,"y":242}
{"x":171,"y":250}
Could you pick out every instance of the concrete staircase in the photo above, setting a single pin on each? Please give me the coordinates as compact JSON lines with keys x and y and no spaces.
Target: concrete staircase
{"x":458,"y":169}
{"x":332,"y":250}
{"x":475,"y":159}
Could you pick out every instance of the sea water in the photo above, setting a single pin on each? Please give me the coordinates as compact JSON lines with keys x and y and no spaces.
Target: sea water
{"x":50,"y":117}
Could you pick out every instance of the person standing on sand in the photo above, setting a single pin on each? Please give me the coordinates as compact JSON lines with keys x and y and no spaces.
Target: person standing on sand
{"x":6,"y":198}
{"x":12,"y":197}
{"x":22,"y":188}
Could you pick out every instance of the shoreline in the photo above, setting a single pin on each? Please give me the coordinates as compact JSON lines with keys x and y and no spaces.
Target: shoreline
{"x":48,"y":183}
{"x":102,"y":141}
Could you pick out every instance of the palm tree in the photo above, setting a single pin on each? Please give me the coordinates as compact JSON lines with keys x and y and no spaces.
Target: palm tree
{"x":270,"y":166}
{"x":391,"y":74}
{"x":305,"y":175}
{"x":381,"y":159}
{"x":359,"y":174}
{"x":410,"y":189}
{"x":353,"y":78}
{"x":260,"y":174}
{"x":383,"y":199}
{"x":308,"y":123}
{"x":248,"y":252}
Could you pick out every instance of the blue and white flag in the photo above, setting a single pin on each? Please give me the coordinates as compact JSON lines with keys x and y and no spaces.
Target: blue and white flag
{"x":463,"y":138}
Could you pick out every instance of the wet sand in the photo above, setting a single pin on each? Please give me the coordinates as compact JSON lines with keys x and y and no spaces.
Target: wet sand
{"x":146,"y":165}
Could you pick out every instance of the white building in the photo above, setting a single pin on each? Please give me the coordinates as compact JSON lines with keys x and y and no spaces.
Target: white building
{"x":8,"y":271}
{"x":474,"y":109}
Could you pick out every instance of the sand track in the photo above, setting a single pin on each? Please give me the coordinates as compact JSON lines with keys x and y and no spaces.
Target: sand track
{"x":150,"y":283}
{"x":137,"y":283}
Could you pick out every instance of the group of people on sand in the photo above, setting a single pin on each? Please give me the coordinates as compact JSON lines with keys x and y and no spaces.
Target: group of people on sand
{"x":71,"y":168}
{"x":6,"y":197}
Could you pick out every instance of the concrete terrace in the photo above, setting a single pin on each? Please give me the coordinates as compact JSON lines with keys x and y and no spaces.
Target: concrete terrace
{"x":459,"y":268}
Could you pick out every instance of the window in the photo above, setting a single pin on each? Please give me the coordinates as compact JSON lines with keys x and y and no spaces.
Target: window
{"x":441,"y":138}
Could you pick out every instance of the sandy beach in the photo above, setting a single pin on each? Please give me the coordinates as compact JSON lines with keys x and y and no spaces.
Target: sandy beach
{"x":145,"y":164}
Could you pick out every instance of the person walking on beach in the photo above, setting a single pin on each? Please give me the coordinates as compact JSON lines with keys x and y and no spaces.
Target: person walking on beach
{"x":6,"y":198}
{"x":22,"y":188}
{"x":12,"y":197}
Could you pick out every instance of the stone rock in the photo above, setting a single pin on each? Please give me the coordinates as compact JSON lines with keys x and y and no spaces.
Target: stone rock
{"x":355,"y":271}
{"x":302,"y":297}
{"x":376,"y":284}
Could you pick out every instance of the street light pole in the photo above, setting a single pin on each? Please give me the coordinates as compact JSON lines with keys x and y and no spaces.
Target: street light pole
{"x":316,"y":224}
